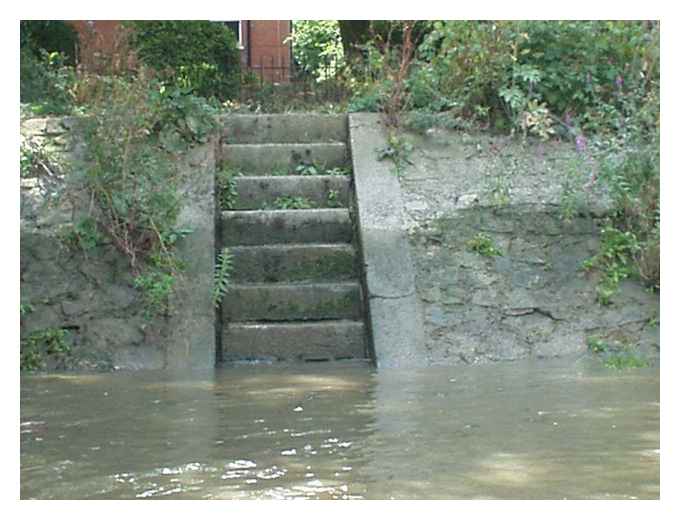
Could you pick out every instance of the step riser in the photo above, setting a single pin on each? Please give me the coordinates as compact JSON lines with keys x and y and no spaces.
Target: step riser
{"x":294,"y":342}
{"x":260,"y":158}
{"x":312,"y":263}
{"x":322,"y":191}
{"x":324,"y":226}
{"x":284,"y":128}
{"x":292,"y":303}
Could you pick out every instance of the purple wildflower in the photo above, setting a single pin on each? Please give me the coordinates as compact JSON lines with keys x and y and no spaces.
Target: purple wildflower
{"x":581,"y":143}
{"x":619,"y":82}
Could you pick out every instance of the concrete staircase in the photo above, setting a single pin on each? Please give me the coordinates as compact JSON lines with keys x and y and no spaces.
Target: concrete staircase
{"x":296,"y":293}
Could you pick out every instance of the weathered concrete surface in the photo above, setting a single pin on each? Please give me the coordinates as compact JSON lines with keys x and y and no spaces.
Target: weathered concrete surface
{"x":293,"y":302}
{"x":91,"y":294}
{"x":284,"y":128}
{"x":534,"y":300}
{"x":294,"y":263}
{"x":396,"y":326}
{"x":296,"y":294}
{"x":263,"y":158}
{"x":324,"y":191}
{"x":306,"y":341}
{"x":286,"y":226}
{"x":191,"y":341}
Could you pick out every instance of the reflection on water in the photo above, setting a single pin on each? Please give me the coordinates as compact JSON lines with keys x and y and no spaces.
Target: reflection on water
{"x":516,"y":430}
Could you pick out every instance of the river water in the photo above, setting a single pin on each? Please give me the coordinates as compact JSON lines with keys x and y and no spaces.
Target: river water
{"x":527,"y":430}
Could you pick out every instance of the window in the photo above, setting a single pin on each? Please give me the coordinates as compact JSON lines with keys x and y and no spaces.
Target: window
{"x":235,"y":25}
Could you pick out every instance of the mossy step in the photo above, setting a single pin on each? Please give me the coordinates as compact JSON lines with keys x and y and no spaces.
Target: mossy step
{"x":256,"y":158}
{"x":320,"y":191}
{"x":284,"y":128}
{"x":295,"y":341}
{"x":294,"y":263}
{"x":321,"y":226}
{"x":292,"y":302}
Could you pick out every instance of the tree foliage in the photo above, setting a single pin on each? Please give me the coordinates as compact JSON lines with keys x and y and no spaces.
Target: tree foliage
{"x":51,"y":36}
{"x":200,"y":56}
{"x":317,"y":47}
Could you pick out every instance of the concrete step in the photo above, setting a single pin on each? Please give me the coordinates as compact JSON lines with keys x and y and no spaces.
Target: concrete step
{"x":295,"y":341}
{"x":321,"y":226}
{"x":294,"y":263}
{"x":323,"y":191}
{"x":258,"y":158}
{"x":284,"y":128}
{"x":292,"y":302}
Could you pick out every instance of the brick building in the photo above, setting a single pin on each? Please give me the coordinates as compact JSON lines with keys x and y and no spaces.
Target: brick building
{"x":262,"y":43}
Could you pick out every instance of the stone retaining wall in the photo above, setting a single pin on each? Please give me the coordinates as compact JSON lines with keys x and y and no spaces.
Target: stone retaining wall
{"x":532,"y":300}
{"x":91,"y":294}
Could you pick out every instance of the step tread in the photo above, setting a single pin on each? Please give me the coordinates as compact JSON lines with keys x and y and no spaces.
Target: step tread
{"x":294,"y":324}
{"x":301,"y":127}
{"x":292,"y":245}
{"x":290,"y":177}
{"x":317,"y":340}
{"x":277,"y":302}
{"x":264,"y":212}
{"x":284,"y":285}
{"x":261,"y":227}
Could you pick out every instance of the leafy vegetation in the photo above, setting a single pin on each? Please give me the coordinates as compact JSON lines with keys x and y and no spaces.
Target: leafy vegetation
{"x":290,"y":202}
{"x":317,"y":48}
{"x":129,"y":174}
{"x":307,"y":169}
{"x":223,"y":271}
{"x":615,"y":354}
{"x":615,"y":261}
{"x":50,"y":36}
{"x":226,"y":187}
{"x":35,"y":349}
{"x":82,"y":235}
{"x":47,"y":84}
{"x":333,"y":199}
{"x":398,"y":150}
{"x":35,"y":160}
{"x":200,"y":57}
{"x":482,"y":244}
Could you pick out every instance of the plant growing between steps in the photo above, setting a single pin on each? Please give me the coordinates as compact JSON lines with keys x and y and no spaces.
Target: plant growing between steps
{"x":290,"y":202}
{"x":226,"y":187}
{"x":333,"y":199}
{"x":223,"y":271}
{"x":307,"y":169}
{"x":338,"y":171}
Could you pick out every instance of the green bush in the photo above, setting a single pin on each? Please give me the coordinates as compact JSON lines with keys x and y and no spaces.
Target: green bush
{"x":46,"y":83}
{"x":584,"y":62}
{"x":199,"y":56}
{"x":133,"y":138}
{"x":41,"y":344}
{"x":317,"y":47}
{"x":511,"y":73}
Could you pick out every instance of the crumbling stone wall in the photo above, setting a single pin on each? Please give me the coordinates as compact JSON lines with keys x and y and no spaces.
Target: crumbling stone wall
{"x":90,"y":294}
{"x":533,"y":300}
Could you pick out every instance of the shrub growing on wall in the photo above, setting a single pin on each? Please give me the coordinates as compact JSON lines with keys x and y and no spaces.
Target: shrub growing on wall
{"x":200,"y":56}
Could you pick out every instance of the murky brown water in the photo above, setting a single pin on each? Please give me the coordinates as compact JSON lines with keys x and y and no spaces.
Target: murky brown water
{"x":515,"y":430}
